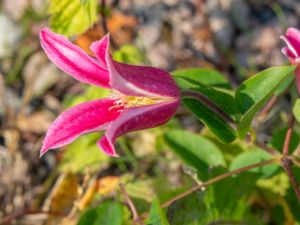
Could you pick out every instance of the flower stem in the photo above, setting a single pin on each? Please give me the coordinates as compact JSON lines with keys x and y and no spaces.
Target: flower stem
{"x":286,"y":162}
{"x":206,"y":101}
{"x":288,"y":136}
{"x":220,"y":177}
{"x":266,"y":148}
{"x":287,"y":165}
{"x":136,"y":218}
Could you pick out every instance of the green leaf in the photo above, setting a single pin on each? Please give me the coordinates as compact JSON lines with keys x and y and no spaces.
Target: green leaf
{"x":141,"y":189}
{"x":284,"y":85}
{"x":195,"y":150}
{"x":217,"y":125}
{"x":107,"y":213}
{"x":157,"y":216}
{"x":206,"y":76}
{"x":129,"y":54}
{"x":223,"y":100}
{"x":210,"y":118}
{"x":83,"y":153}
{"x":227,"y":198}
{"x":220,"y":98}
{"x":190,"y":210}
{"x":72,"y":17}
{"x":90,"y":93}
{"x":296,"y":110}
{"x":255,"y":156}
{"x":254,"y":93}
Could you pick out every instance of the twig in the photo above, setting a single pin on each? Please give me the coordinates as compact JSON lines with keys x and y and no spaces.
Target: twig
{"x":287,"y":164}
{"x":271,"y":103}
{"x":269,"y":106}
{"x":266,"y":148}
{"x":136,"y":218}
{"x":206,"y":101}
{"x":19,"y":214}
{"x":288,"y":136}
{"x":218,"y":178}
{"x":286,"y":161}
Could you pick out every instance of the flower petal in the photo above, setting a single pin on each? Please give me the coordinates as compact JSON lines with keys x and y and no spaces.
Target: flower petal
{"x":135,"y":80}
{"x":288,"y":52}
{"x":100,"y":49}
{"x":136,"y":118}
{"x":72,"y":59}
{"x":83,"y":118}
{"x":292,"y":39}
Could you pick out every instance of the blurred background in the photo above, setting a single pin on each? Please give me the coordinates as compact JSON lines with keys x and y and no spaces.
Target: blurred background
{"x":236,"y":37}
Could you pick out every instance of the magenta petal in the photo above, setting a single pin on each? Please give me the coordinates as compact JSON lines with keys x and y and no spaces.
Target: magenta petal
{"x":101,"y":49}
{"x":72,"y":59}
{"x":135,"y":80}
{"x":289,"y":53}
{"x":83,"y":118}
{"x":141,"y":80}
{"x":107,"y":146}
{"x":292,"y":39}
{"x":136,"y":118}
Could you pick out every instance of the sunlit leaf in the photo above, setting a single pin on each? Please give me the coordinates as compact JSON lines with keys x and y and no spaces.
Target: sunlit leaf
{"x":254,"y":93}
{"x":107,"y":213}
{"x":129,"y":54}
{"x":195,"y":150}
{"x":71,"y":17}
{"x":209,"y":117}
{"x":206,"y":76}
{"x":83,"y":153}
{"x":255,"y":156}
{"x":284,"y":85}
{"x":90,"y":93}
{"x":157,"y":216}
{"x":296,"y":110}
{"x":140,"y":189}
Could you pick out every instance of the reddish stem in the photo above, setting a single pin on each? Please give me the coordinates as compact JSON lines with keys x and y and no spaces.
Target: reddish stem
{"x":288,"y":136}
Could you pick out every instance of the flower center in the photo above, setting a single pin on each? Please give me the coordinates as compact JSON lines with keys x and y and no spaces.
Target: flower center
{"x":127,"y":101}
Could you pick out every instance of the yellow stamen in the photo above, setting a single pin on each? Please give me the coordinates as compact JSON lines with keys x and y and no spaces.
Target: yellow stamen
{"x":128,"y":101}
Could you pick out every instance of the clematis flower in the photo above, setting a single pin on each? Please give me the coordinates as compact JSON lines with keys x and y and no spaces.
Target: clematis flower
{"x":141,"y":97}
{"x":292,"y":51}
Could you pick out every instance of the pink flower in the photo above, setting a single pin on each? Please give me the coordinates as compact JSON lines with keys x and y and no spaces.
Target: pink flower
{"x":292,"y":51}
{"x":142,"y":97}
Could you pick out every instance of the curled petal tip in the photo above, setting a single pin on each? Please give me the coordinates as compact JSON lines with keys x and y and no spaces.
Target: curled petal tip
{"x":292,"y":30}
{"x":43,"y":151}
{"x":107,"y":146}
{"x":72,"y":59}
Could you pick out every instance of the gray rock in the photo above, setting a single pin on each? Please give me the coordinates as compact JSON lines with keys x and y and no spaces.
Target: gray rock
{"x":161,"y":56}
{"x":40,"y":74}
{"x":15,"y":8}
{"x":240,"y":13}
{"x":10,"y":34}
{"x":220,"y":23}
